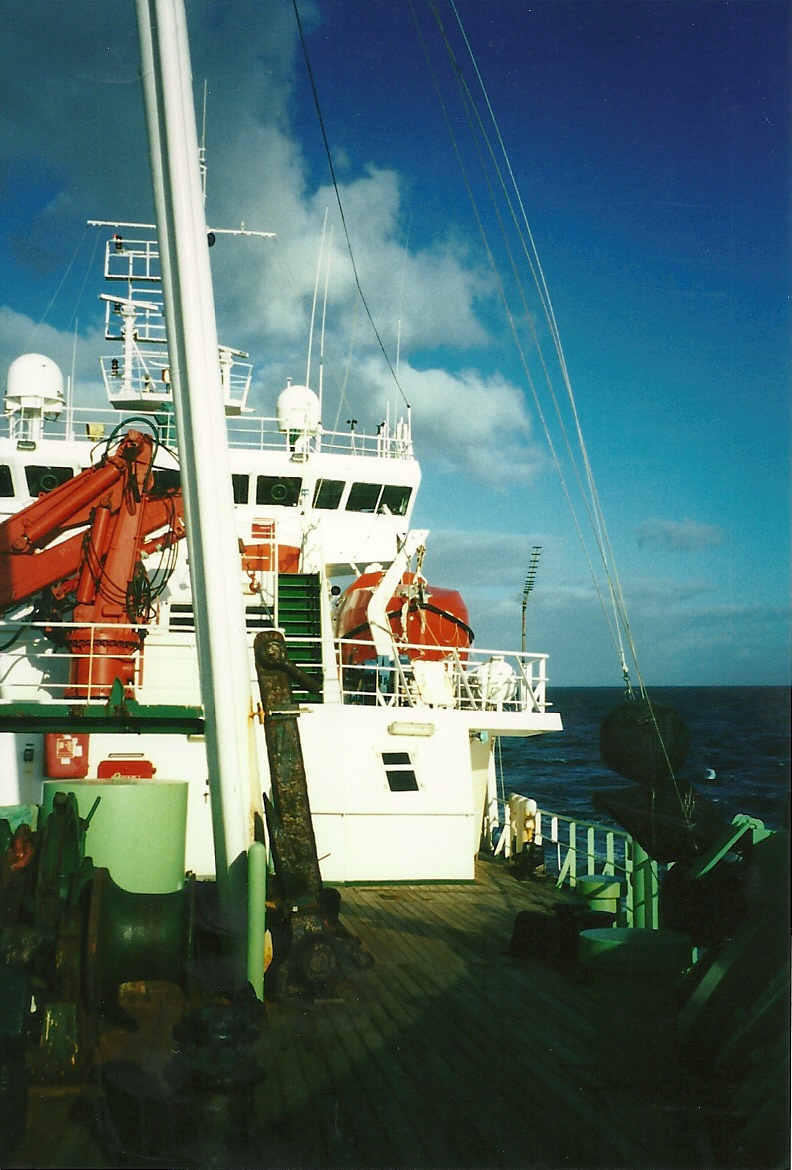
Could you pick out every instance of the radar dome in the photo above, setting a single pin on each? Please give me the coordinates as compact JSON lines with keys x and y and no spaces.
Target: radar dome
{"x":34,"y":381}
{"x":298,"y":410}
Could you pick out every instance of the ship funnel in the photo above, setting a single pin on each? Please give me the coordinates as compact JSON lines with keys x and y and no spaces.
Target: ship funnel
{"x":34,"y":392}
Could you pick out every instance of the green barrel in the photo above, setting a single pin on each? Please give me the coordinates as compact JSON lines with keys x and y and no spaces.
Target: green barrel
{"x":635,"y":974}
{"x":601,"y":891}
{"x":137,"y":831}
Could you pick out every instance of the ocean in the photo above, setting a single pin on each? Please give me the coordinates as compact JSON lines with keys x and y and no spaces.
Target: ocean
{"x":739,"y":753}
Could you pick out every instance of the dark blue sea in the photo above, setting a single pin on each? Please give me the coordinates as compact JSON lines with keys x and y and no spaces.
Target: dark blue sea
{"x":739,"y":753}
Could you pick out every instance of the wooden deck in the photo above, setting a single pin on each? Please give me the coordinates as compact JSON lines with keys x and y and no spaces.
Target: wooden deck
{"x":446,"y":1052}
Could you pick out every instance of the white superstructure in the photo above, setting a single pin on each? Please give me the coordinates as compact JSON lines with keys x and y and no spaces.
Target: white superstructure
{"x":398,"y":750}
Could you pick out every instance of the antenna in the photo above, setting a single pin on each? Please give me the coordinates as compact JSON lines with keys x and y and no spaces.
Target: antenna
{"x":401,"y":297}
{"x":202,"y":147}
{"x":324,"y":318}
{"x":70,"y":386}
{"x":529,"y":584}
{"x":319,"y":260}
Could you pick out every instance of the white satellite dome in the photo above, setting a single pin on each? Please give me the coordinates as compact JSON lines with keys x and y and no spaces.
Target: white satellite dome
{"x":298,"y":410}
{"x":34,"y":382}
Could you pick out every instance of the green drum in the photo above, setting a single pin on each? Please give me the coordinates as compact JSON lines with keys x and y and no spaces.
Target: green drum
{"x":137,"y":832}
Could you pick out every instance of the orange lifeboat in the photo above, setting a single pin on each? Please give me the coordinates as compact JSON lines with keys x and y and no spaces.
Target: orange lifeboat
{"x":428,"y":621}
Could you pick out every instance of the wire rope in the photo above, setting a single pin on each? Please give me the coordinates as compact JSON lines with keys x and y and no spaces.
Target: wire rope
{"x":618,"y":619}
{"x":340,"y":204}
{"x":55,"y":295}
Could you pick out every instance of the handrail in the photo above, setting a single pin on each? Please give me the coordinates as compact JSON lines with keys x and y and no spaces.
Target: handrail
{"x":442,"y":676}
{"x":574,"y":846}
{"x":247,"y":431}
{"x":452,"y":679}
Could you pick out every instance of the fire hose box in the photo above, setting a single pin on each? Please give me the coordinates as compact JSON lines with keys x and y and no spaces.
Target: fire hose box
{"x":66,"y":755}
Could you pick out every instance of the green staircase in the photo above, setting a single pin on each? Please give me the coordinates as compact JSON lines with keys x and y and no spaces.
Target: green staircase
{"x":300,"y":618}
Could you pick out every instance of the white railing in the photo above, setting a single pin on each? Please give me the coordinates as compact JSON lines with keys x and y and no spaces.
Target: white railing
{"x":37,"y":662}
{"x":36,"y":666}
{"x":246,"y":431}
{"x":261,"y":433}
{"x":131,"y":260}
{"x":573,"y":847}
{"x":463,"y":679}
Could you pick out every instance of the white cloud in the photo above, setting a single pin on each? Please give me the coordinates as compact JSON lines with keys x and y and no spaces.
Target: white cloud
{"x":95,"y":163}
{"x":679,"y":535}
{"x":470,"y":423}
{"x":18,"y":335}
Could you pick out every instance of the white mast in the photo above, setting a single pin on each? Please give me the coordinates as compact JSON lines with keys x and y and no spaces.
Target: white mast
{"x":201,"y":427}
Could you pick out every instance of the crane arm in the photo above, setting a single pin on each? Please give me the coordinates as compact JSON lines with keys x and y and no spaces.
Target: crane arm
{"x":95,"y":571}
{"x":34,"y":554}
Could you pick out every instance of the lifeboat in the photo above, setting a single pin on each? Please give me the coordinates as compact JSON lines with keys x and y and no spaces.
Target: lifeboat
{"x":427,"y":621}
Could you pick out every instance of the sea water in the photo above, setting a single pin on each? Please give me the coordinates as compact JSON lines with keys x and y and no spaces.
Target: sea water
{"x":739,"y":753}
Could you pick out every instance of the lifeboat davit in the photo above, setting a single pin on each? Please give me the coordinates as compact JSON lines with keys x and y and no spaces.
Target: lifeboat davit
{"x":427,"y":621}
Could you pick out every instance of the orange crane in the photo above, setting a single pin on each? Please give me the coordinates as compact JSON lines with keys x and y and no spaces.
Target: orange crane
{"x":97,"y":574}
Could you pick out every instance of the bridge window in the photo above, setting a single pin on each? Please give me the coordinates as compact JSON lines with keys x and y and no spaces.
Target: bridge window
{"x":241,"y":485}
{"x":41,"y":480}
{"x":373,"y":497}
{"x":363,"y":497}
{"x":400,"y":772}
{"x":165,"y":479}
{"x":395,"y":499}
{"x":6,"y":482}
{"x":328,"y":493}
{"x":281,"y":490}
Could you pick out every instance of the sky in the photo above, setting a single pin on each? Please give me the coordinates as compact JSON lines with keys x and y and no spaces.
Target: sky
{"x":650,"y":145}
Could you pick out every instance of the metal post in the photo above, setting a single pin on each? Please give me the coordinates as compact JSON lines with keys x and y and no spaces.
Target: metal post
{"x":201,"y":428}
{"x":644,"y":887}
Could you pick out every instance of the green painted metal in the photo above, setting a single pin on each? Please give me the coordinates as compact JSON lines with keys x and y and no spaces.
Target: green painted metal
{"x":257,"y":898}
{"x":635,"y":950}
{"x":300,"y":618}
{"x":162,"y":718}
{"x":137,"y":831}
{"x":635,"y":975}
{"x":740,"y":827}
{"x":601,"y":891}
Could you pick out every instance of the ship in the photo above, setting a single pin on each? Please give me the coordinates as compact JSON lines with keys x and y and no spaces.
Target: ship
{"x":264,"y":899}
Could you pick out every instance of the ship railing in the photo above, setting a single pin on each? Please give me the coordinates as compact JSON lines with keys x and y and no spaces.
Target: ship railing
{"x":572,"y":847}
{"x":262,"y":433}
{"x":446,"y":677}
{"x":142,"y":381}
{"x":36,"y":664}
{"x":249,"y":432}
{"x":132,"y":260}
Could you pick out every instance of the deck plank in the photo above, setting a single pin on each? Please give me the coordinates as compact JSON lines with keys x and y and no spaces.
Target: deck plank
{"x":447,"y":1054}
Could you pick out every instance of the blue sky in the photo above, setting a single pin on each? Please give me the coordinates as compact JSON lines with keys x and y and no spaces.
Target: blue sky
{"x":651,"y":146}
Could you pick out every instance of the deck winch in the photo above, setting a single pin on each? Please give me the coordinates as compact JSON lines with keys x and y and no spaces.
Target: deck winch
{"x":71,"y":937}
